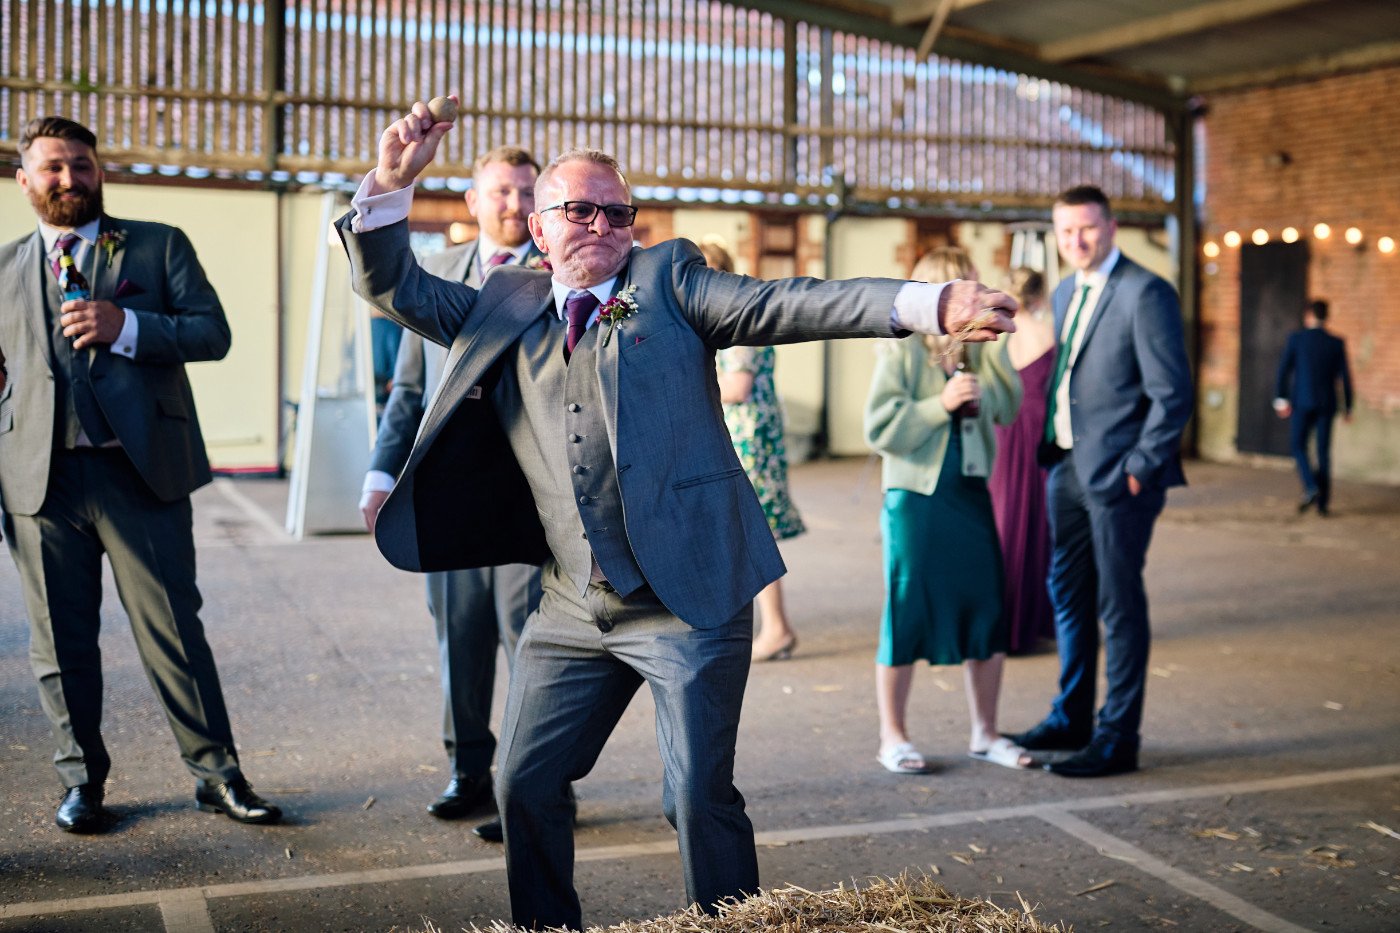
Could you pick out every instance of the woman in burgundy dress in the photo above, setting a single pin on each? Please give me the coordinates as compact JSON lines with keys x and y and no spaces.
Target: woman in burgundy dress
{"x":1017,"y":482}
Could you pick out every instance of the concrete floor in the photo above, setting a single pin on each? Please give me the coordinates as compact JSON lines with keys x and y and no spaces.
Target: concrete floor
{"x":1271,"y":755}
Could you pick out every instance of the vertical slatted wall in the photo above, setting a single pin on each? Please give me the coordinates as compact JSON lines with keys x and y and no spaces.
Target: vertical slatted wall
{"x":687,"y":94}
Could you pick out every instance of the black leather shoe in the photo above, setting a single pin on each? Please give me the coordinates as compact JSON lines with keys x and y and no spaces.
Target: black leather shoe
{"x":492,"y":831}
{"x":1047,"y":738}
{"x":466,"y":795}
{"x":235,"y":800}
{"x":1099,"y":759}
{"x":81,"y":809}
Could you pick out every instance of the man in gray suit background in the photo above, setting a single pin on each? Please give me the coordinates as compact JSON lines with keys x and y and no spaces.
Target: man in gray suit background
{"x":477,"y":609}
{"x":100,"y":449}
{"x":1118,"y":402}
{"x":579,"y":424}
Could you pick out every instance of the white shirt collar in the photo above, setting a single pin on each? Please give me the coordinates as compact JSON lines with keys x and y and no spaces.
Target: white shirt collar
{"x":1095,"y":278}
{"x":487,"y":247}
{"x":87,"y":233}
{"x":602,"y":291}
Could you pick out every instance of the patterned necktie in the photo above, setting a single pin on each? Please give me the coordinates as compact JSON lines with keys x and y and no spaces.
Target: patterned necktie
{"x":579,"y":306}
{"x":1062,"y":363}
{"x":64,"y":245}
{"x":499,"y":258}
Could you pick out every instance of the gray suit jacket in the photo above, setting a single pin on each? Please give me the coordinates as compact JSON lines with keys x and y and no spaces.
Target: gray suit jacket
{"x":147,"y":400}
{"x":1130,"y":389}
{"x":418,"y":368}
{"x":692,"y":518}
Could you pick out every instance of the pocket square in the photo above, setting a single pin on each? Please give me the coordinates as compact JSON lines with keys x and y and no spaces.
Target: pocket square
{"x":128,"y":289}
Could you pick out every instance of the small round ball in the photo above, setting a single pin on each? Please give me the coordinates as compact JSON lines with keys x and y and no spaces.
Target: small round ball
{"x":443,"y":109}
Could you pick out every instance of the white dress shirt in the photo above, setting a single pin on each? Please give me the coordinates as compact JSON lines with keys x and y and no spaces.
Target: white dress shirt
{"x":1095,"y":279}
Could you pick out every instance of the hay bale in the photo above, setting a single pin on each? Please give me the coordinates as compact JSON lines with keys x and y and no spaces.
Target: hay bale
{"x":886,"y":905}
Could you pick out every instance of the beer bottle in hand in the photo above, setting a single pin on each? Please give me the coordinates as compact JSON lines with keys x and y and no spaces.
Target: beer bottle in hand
{"x":71,"y":281}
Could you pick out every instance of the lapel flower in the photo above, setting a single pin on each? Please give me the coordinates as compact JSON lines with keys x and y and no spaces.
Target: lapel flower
{"x":538,"y":261}
{"x":109,"y":241}
{"x":617,"y":309}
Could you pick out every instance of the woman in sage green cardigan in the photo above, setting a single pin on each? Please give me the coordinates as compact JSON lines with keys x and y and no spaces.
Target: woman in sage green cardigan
{"x":930,"y":415}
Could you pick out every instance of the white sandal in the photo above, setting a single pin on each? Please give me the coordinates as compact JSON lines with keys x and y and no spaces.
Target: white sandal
{"x":1003,"y":752}
{"x":903,"y":758}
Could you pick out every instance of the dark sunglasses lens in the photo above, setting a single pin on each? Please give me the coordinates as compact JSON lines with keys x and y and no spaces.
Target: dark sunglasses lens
{"x":620,"y":215}
{"x":580,"y":212}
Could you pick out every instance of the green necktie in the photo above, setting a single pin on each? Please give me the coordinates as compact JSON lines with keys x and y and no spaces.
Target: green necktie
{"x":1062,"y":363}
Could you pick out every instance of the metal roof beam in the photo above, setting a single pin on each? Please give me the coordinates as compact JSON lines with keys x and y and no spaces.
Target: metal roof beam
{"x":919,"y":11}
{"x":1145,"y":31}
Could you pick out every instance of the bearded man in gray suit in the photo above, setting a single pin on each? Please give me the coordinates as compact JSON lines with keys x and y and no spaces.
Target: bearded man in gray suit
{"x":478,"y":608}
{"x":100,"y":449}
{"x":579,"y":424}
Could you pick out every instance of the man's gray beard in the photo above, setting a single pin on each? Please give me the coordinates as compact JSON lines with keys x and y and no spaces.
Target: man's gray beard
{"x":56,"y":212}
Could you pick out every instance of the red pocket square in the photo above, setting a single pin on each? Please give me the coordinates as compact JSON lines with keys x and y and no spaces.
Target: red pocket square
{"x":127,"y":288}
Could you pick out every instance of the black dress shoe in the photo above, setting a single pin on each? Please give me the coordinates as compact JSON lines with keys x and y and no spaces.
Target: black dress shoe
{"x":466,"y":795}
{"x":1047,"y":738}
{"x":492,"y":831}
{"x":235,"y":799}
{"x":81,"y":809}
{"x":1099,"y":759}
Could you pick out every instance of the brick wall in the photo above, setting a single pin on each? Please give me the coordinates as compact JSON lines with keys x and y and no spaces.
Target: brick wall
{"x":1324,"y":151}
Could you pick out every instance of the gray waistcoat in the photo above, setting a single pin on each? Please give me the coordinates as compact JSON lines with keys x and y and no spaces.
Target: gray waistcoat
{"x":553,"y":415}
{"x":74,"y":402}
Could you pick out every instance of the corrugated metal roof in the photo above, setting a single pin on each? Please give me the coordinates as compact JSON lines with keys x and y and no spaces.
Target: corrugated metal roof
{"x":1162,"y":51}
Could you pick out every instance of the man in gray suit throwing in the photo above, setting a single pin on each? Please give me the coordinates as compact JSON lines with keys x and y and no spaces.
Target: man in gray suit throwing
{"x":100,"y":449}
{"x":478,"y":608}
{"x":579,"y":424}
{"x":1118,"y":402}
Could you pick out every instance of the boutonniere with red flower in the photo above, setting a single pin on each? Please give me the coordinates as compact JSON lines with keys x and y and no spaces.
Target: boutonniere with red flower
{"x":109,"y":241}
{"x":538,"y":261}
{"x":617,"y":309}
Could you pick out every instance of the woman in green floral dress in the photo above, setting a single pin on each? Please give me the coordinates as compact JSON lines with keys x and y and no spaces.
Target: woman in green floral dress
{"x":755,"y":421}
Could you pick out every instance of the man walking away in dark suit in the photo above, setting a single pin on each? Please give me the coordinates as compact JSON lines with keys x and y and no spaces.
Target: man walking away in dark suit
{"x":100,"y":449}
{"x":579,"y":424}
{"x":478,"y":609}
{"x":1119,"y":398}
{"x":1313,"y":362}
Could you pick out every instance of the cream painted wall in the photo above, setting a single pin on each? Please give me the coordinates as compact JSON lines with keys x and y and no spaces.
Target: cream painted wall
{"x":860,"y":246}
{"x":234,"y":234}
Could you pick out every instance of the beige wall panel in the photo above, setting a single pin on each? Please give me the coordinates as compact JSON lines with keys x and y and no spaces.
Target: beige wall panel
{"x":860,"y":246}
{"x":235,"y":235}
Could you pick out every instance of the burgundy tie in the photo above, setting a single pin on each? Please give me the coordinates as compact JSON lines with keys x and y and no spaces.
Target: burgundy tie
{"x":64,"y":244}
{"x":500,"y":258}
{"x":579,"y":306}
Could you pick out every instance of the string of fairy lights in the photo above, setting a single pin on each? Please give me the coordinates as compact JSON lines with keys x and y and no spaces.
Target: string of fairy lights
{"x":1354,"y":236}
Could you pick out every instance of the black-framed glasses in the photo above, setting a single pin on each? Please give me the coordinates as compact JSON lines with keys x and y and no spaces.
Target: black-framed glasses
{"x":583,"y":212}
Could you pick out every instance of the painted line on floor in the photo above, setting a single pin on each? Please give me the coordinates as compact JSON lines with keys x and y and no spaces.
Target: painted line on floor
{"x":1222,"y":900}
{"x":230,"y":491}
{"x":1049,"y":812}
{"x":186,"y":912}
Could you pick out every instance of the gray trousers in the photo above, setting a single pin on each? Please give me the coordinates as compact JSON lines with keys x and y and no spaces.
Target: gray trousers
{"x":97,"y":503}
{"x":474,"y":611}
{"x":578,"y":665}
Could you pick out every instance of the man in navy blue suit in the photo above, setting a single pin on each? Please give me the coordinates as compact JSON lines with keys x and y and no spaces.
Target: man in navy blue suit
{"x":1313,"y":362}
{"x":1118,"y":401}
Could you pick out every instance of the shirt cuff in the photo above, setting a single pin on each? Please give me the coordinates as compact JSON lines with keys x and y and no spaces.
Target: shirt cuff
{"x":1280,"y":404}
{"x":125,"y":344}
{"x":373,"y":211}
{"x":378,"y":481}
{"x":916,"y":308}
